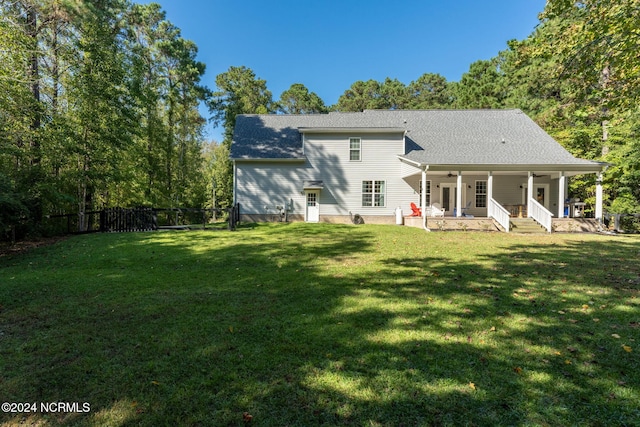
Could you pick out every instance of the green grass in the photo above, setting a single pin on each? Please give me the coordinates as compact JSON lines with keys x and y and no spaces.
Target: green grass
{"x":300,"y":324}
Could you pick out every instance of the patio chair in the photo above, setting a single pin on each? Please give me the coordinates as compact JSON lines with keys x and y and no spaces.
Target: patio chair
{"x":436,"y":210}
{"x":464,"y":210}
{"x":415,"y":211}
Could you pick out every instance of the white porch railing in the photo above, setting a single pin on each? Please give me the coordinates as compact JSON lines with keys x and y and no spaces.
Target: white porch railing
{"x":500,"y":214}
{"x":540,"y":214}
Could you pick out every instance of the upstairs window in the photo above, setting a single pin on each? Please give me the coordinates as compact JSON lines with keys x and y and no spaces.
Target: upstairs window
{"x":355,"y":149}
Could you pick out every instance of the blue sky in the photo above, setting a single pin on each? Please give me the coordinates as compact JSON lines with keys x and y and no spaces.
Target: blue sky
{"x":327,"y":45}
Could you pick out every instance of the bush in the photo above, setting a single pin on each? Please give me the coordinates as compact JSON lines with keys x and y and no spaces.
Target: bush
{"x":12,"y":208}
{"x":625,"y":204}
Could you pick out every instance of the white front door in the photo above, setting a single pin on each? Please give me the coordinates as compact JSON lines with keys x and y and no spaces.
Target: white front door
{"x":313,"y":207}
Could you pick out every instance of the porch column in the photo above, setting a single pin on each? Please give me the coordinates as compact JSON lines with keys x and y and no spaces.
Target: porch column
{"x":459,"y":190}
{"x":423,"y":195}
{"x":489,"y":187}
{"x":561,"y":195}
{"x":529,"y":193}
{"x":489,"y":190}
{"x":599,"y":197}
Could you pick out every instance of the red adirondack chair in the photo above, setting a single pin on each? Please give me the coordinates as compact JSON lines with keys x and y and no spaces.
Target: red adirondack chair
{"x":415,"y":211}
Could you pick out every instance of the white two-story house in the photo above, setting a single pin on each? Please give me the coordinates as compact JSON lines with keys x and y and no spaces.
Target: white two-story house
{"x":329,"y":167}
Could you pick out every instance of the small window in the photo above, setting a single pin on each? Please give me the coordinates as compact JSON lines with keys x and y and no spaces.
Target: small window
{"x":481,"y":194}
{"x":312,"y":199}
{"x":354,"y":149}
{"x":428,"y":191}
{"x":373,"y":193}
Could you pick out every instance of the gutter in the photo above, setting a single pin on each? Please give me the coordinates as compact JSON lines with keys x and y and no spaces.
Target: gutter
{"x":269,"y":159}
{"x":422,"y":198}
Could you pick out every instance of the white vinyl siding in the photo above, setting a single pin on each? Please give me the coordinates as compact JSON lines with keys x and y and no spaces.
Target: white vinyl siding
{"x":329,"y":161}
{"x":264,"y":185}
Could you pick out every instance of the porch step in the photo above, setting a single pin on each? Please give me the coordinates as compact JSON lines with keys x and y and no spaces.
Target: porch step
{"x":526,"y":226}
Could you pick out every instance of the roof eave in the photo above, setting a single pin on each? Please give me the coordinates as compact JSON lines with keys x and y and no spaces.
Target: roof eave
{"x":593,"y":167}
{"x":269,"y":160}
{"x":590,"y":168}
{"x":361,"y":130}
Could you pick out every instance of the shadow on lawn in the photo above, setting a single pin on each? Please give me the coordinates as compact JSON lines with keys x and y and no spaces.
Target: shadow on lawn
{"x":527,"y":340}
{"x":306,"y":326}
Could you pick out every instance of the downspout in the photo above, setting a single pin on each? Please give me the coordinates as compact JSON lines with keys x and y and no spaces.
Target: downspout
{"x":235,"y":181}
{"x":424,"y":223}
{"x":423,"y":198}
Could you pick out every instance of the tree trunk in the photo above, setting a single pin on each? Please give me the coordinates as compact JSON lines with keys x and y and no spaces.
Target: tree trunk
{"x":84,"y":195}
{"x":34,"y":75}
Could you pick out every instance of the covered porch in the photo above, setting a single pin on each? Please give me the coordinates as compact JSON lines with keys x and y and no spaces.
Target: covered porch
{"x":476,"y":198}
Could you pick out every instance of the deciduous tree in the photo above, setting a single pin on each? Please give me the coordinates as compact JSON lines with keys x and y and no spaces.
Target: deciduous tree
{"x":599,"y":42}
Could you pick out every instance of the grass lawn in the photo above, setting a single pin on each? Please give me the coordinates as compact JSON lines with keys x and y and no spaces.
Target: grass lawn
{"x":302,"y":325}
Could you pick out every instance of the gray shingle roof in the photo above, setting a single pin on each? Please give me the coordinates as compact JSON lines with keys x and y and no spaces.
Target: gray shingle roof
{"x":446,"y":137}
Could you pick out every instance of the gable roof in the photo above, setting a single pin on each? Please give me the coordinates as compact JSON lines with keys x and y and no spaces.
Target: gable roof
{"x":434,"y":137}
{"x":268,"y":136}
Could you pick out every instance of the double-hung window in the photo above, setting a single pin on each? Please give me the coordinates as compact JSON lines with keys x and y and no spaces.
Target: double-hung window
{"x":428,"y":191}
{"x":373,"y":193}
{"x":481,"y":194}
{"x":355,"y":149}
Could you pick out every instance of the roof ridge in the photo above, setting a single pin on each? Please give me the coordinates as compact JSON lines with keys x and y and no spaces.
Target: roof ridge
{"x":432,"y":110}
{"x":443,"y":109}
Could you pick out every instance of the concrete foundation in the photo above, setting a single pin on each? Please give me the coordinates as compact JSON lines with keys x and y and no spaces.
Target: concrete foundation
{"x":575,"y":225}
{"x":331,"y":219}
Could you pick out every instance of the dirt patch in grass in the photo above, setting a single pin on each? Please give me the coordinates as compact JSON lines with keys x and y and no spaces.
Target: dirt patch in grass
{"x":7,"y":249}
